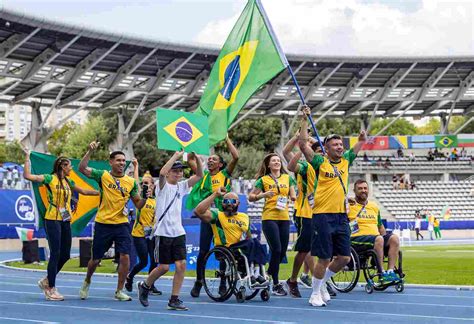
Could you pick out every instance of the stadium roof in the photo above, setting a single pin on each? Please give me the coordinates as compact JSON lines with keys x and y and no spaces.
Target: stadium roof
{"x":75,"y":67}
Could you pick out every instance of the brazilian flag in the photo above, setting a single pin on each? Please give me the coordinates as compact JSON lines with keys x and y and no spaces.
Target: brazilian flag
{"x":178,"y":130}
{"x":443,"y":141}
{"x":250,"y":57}
{"x":85,"y":206}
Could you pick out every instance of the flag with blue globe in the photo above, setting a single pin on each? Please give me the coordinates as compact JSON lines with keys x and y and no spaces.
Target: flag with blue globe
{"x":177,"y":130}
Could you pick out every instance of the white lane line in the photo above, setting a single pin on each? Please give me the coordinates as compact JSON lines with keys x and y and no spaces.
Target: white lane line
{"x":239,"y":305}
{"x":26,"y":320}
{"x":117,"y":310}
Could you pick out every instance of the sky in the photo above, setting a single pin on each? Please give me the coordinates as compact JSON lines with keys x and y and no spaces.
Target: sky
{"x":312,"y":27}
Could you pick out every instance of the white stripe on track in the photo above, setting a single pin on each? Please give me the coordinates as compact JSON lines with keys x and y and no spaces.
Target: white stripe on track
{"x":26,"y":320}
{"x":118,"y":310}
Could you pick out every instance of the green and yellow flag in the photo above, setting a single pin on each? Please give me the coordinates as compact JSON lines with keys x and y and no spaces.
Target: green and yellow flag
{"x":86,"y":205}
{"x":178,"y":130}
{"x":250,"y":57}
{"x":443,"y":141}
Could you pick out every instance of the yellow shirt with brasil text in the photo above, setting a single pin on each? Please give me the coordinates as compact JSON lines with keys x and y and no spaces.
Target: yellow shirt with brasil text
{"x":220,"y":179}
{"x":112,"y":199}
{"x":145,"y":217}
{"x":306,"y":182}
{"x":329,"y":197}
{"x":228,"y":230}
{"x":270,"y":210}
{"x":58,"y":197}
{"x":368,"y":219}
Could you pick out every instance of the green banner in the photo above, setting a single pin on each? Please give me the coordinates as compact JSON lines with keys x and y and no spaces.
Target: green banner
{"x":178,"y":130}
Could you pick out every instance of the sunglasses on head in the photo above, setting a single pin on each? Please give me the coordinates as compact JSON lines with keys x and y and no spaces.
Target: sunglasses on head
{"x":229,"y":201}
{"x":331,"y":137}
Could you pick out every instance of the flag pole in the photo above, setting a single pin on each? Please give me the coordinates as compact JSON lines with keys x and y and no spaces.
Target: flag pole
{"x":290,"y":70}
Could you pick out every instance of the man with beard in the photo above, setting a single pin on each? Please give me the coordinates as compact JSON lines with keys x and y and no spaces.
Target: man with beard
{"x":368,"y":232}
{"x":232,"y":229}
{"x":331,"y":233}
{"x":111,"y":221}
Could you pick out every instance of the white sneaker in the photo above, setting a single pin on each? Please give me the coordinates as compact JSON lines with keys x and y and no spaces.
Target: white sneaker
{"x":316,"y":300}
{"x":325,"y":294}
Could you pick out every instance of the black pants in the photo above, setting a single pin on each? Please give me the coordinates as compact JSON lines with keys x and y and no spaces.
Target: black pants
{"x":205,"y":240}
{"x":417,"y":230}
{"x":144,"y":247}
{"x":59,"y":238}
{"x":277,"y":233}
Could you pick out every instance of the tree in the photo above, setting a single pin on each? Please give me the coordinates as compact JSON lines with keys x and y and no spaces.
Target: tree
{"x":59,"y":138}
{"x":249,"y":161}
{"x":95,"y":129}
{"x":260,"y":133}
{"x":457,"y":121}
{"x":400,"y":127}
{"x":431,"y":127}
{"x":11,"y":152}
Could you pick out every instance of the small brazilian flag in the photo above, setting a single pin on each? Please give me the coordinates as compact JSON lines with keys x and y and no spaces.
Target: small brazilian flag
{"x":178,"y":130}
{"x":250,"y":57}
{"x":443,"y":141}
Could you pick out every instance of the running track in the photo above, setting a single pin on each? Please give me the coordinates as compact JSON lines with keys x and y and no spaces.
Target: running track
{"x":22,"y":302}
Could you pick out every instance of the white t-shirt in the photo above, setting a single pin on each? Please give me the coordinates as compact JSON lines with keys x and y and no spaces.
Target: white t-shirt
{"x":170,"y":225}
{"x":417,"y":223}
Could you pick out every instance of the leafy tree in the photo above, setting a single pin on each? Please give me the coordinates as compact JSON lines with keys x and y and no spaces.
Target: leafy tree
{"x":59,"y":138}
{"x":458,"y":121}
{"x":400,"y":127}
{"x":431,"y":127}
{"x":249,"y":161}
{"x":259,"y":133}
{"x":11,"y":152}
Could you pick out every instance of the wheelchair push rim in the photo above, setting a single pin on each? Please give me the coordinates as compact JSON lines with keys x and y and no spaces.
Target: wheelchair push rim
{"x":224,"y":276}
{"x":346,"y":279}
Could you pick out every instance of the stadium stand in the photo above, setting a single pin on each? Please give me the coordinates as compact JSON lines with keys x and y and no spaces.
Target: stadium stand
{"x":431,"y":195}
{"x":420,"y":163}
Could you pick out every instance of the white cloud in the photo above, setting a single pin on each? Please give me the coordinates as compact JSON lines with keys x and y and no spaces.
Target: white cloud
{"x":349,"y":27}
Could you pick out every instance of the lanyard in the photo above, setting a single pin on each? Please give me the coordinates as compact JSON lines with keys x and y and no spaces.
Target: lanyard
{"x":276,"y":182}
{"x":360,"y":211}
{"x":117,"y":182}
{"x":340,"y":178}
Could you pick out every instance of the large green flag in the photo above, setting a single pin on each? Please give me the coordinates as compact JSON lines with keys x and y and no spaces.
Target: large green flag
{"x":250,"y":57}
{"x":178,"y":130}
{"x":443,"y":141}
{"x":85,"y":206}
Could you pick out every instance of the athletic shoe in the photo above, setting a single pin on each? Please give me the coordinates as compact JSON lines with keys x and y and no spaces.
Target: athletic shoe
{"x":394,"y":276}
{"x":331,"y":290}
{"x":43,"y":284}
{"x":261,"y":279}
{"x":53,"y":295}
{"x":316,"y":300}
{"x":84,"y":292}
{"x":293,"y":289}
{"x":278,"y":290}
{"x":196,"y":289}
{"x":385,"y":278}
{"x":155,"y":291}
{"x":324,"y":294}
{"x":177,"y":304}
{"x":129,"y":284}
{"x":121,"y":296}
{"x":305,"y":280}
{"x":143,"y":292}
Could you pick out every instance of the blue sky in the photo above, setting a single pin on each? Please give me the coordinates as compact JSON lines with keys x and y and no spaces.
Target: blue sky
{"x":316,"y":27}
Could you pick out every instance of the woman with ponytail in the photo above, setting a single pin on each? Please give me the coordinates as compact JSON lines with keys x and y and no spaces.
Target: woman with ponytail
{"x":57,"y":221}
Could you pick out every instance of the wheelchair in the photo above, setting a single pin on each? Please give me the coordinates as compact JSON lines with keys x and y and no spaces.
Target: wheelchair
{"x":227,"y":272}
{"x":345,"y":280}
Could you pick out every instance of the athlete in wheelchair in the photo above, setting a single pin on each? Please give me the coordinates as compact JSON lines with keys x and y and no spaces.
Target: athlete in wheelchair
{"x":235,"y":266}
{"x":371,"y":247}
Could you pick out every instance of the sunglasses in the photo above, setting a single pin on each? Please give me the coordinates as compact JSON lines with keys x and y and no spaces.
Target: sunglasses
{"x":229,"y":201}
{"x":331,"y":137}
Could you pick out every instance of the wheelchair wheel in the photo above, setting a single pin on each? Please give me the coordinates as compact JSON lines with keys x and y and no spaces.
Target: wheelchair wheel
{"x":265,"y":295}
{"x":400,"y":287}
{"x":369,"y":288}
{"x":240,"y":295}
{"x":220,"y":283}
{"x":369,"y":267}
{"x":346,"y":279}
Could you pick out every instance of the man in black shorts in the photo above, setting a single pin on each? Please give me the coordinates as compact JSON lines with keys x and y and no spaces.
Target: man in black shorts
{"x":170,"y":235}
{"x":111,"y":222}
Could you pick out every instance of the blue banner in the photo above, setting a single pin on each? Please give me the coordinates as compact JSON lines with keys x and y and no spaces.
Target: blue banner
{"x":16,"y":207}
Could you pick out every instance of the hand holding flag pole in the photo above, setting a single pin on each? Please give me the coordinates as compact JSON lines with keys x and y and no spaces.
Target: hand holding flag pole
{"x":290,"y":70}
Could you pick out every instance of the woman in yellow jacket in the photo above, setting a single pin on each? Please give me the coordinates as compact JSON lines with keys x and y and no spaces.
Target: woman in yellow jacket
{"x":57,"y":221}
{"x":278,"y":188}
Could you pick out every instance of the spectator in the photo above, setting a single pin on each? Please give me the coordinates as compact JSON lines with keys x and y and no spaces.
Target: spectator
{"x":411,"y":157}
{"x":395,"y":181}
{"x":454,"y":154}
{"x":406,"y":181}
{"x":431,"y":156}
{"x":379,"y":161}
{"x":387,"y":163}
{"x":463,"y":152}
{"x":436,"y":153}
{"x":9,"y":178}
{"x":16,"y":177}
{"x":436,"y":228}
{"x":418,"y":225}
{"x":430,"y":224}
{"x":366,"y":158}
{"x":412,"y":185}
{"x":400,"y":152}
